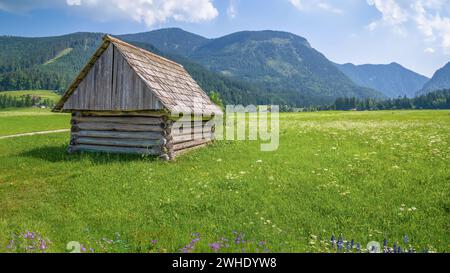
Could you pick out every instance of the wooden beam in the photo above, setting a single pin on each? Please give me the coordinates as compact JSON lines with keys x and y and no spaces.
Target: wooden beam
{"x":93,"y":126}
{"x":189,"y":144}
{"x":112,"y":149}
{"x":120,"y":142}
{"x":125,"y":113}
{"x":125,"y":120}
{"x":120,"y":135}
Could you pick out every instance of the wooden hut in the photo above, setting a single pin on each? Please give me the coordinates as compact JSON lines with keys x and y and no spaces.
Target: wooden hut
{"x":129,"y":100}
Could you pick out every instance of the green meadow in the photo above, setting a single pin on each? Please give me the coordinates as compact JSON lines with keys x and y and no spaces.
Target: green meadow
{"x":44,"y":94}
{"x":365,"y":176}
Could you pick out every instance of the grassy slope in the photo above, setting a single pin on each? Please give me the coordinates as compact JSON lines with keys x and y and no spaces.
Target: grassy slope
{"x":44,"y":94}
{"x":26,"y":120}
{"x":334,"y":172}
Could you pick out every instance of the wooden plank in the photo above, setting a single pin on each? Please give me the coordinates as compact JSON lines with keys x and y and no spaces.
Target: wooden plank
{"x":189,"y":144}
{"x":119,"y":142}
{"x":119,"y":135}
{"x":195,"y":130}
{"x":184,"y":138}
{"x":124,"y":120}
{"x":130,"y":91}
{"x":93,"y":126}
{"x":94,"y":91}
{"x":184,"y":151}
{"x":112,"y":149}
{"x":119,"y":113}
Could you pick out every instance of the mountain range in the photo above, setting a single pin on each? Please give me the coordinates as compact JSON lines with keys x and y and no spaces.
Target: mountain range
{"x":249,"y":67}
{"x":393,"y":80}
{"x":440,"y":80}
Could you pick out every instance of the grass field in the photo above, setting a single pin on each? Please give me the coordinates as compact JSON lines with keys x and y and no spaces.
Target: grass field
{"x":25,"y":120}
{"x":44,"y":94}
{"x":365,"y":175}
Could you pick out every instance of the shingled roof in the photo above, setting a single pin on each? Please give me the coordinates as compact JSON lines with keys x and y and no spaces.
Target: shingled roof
{"x":169,"y":82}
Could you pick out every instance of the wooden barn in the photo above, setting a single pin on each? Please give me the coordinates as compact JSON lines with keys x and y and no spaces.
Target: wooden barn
{"x":129,"y":100}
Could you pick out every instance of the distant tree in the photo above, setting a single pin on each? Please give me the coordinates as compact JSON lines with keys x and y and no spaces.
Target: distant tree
{"x":215,"y":98}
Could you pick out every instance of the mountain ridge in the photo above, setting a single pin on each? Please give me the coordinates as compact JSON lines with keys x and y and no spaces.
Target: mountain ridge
{"x":439,"y":81}
{"x":393,"y":80}
{"x":280,"y":60}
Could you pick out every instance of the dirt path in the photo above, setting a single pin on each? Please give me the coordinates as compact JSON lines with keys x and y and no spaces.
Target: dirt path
{"x":36,"y":133}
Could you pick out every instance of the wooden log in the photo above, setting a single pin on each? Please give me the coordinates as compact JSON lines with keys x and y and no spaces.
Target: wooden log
{"x":120,"y":142}
{"x":124,"y":120}
{"x":196,"y":130}
{"x":113,"y":149}
{"x":189,"y":144}
{"x":125,"y":113}
{"x":117,"y":127}
{"x":178,"y":117}
{"x":187,"y":150}
{"x":120,"y":135}
{"x":184,"y":138}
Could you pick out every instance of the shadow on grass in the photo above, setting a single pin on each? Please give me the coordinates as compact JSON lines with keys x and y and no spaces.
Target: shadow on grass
{"x":59,"y":154}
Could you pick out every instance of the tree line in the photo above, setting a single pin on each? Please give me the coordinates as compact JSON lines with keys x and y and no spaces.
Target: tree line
{"x":434,"y":100}
{"x":7,"y":101}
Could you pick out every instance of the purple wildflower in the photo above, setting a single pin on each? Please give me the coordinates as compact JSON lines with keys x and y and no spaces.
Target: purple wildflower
{"x":215,"y":246}
{"x":43,"y":245}
{"x":406,"y":239}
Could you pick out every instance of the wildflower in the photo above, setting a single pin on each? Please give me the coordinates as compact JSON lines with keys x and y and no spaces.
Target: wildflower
{"x":358,"y":247}
{"x":259,"y":161}
{"x":413,"y":208}
{"x":43,"y":245}
{"x":333,"y":240}
{"x":154,"y":242}
{"x":215,"y":246}
{"x":406,"y":239}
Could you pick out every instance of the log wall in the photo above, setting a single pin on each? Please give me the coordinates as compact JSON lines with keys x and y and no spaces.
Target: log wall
{"x":152,"y":134}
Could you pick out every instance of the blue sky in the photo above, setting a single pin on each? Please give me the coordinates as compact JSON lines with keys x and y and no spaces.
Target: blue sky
{"x":414,"y":33}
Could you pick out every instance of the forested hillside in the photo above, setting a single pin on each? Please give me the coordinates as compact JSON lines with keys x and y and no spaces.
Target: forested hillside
{"x":393,"y":80}
{"x":44,"y":63}
{"x":440,"y":80}
{"x":284,"y":63}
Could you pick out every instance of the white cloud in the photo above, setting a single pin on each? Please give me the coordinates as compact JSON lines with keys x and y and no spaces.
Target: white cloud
{"x":232,"y":10}
{"x":149,"y":12}
{"x":152,"y":12}
{"x":73,"y":2}
{"x":430,"y":17}
{"x":315,"y":4}
{"x":297,"y":3}
{"x":429,"y":50}
{"x":328,"y":7}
